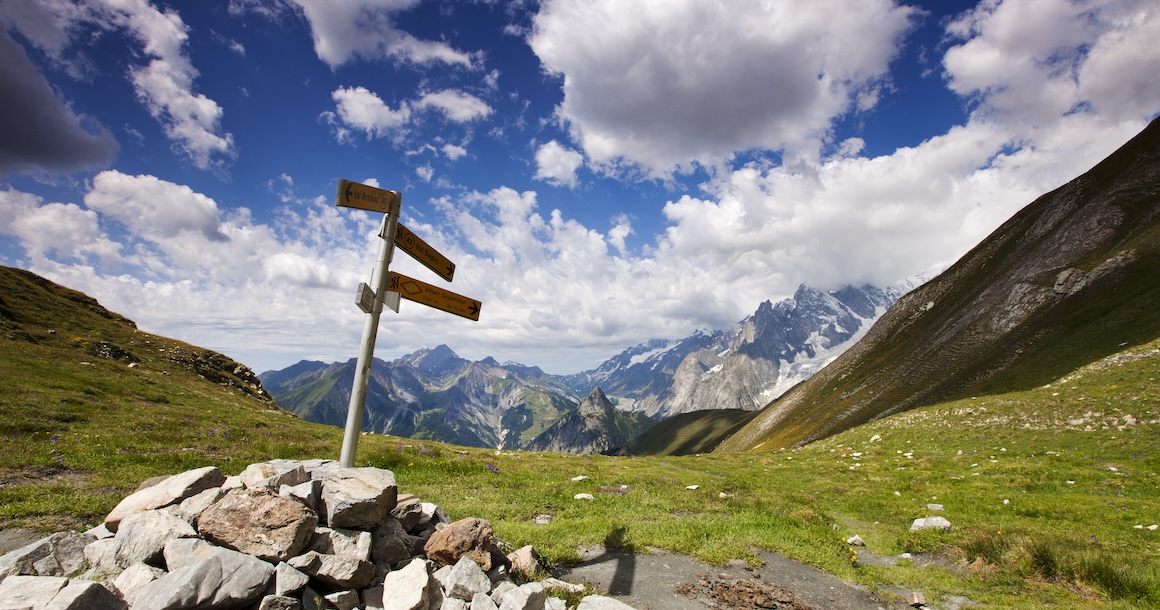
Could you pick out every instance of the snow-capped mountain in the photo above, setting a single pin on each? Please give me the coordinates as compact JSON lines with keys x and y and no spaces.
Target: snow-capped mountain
{"x":747,"y":366}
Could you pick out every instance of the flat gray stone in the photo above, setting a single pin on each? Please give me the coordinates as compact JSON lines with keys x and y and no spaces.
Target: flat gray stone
{"x":18,"y":592}
{"x":61,"y":554}
{"x":193,"y":586}
{"x":482,"y":601}
{"x":170,"y":491}
{"x":342,"y":572}
{"x":130,"y":582}
{"x":466,"y":579}
{"x":500,"y":590}
{"x":191,"y":508}
{"x":528,"y":596}
{"x":289,"y":580}
{"x":244,"y":578}
{"x":342,"y":542}
{"x":101,"y":556}
{"x":142,"y":537}
{"x":85,"y":595}
{"x":358,"y":498}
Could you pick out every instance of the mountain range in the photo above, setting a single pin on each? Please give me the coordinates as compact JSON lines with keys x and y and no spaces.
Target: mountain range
{"x":435,"y":394}
{"x":746,"y":366}
{"x":430,"y":394}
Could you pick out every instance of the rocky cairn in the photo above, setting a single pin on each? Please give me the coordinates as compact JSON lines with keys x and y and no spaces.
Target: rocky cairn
{"x":282,"y":535}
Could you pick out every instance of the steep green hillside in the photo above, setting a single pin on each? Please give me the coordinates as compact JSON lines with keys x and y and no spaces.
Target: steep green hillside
{"x":90,"y":406}
{"x":689,"y":433}
{"x":1071,"y":278}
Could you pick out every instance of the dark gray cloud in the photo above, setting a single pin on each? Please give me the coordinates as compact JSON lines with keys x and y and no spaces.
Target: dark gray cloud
{"x":38,"y":131}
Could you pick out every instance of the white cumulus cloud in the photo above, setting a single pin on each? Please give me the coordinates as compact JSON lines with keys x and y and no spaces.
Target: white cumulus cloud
{"x":361,"y":109}
{"x":557,"y":164}
{"x":344,"y":29}
{"x":458,"y":106}
{"x":660,"y":85}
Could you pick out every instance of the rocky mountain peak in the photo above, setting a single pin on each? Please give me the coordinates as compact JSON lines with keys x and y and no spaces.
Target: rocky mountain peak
{"x":595,"y":405}
{"x":439,"y":360}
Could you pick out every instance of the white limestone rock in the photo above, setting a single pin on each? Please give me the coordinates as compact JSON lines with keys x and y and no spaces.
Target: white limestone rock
{"x":466,"y":579}
{"x":171,"y":491}
{"x":358,"y":498}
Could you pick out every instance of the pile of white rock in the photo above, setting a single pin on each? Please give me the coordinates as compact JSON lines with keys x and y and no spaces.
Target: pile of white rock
{"x":282,"y":535}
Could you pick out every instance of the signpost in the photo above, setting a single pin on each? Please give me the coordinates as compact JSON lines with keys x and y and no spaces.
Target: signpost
{"x":365,"y":197}
{"x":433,"y":296}
{"x":420,"y":251}
{"x":387,"y":288}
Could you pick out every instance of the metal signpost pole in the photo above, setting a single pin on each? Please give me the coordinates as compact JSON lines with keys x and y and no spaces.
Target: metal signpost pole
{"x":366,"y":354}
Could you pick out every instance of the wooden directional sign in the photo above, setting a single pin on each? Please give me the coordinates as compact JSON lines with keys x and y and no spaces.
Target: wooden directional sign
{"x":430,"y":257}
{"x":433,"y":296}
{"x":355,"y":195}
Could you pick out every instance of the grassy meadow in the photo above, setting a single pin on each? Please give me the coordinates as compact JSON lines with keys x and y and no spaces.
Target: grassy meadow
{"x":1051,"y":492}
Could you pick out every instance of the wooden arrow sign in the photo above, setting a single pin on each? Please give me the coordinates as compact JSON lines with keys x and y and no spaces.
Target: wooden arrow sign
{"x":364,"y":197}
{"x":433,"y":296}
{"x":420,"y":251}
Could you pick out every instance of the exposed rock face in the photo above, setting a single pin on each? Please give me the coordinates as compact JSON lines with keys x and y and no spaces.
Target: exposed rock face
{"x":745,"y":367}
{"x":594,"y":427}
{"x":192,"y":573}
{"x":1076,"y":262}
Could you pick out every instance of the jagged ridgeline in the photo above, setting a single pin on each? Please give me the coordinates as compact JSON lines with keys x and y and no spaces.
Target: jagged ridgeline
{"x":434,"y":394}
{"x":431,"y":394}
{"x":1070,"y":279}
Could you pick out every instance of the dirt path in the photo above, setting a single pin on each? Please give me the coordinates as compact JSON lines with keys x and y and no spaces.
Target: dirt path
{"x":666,"y":581}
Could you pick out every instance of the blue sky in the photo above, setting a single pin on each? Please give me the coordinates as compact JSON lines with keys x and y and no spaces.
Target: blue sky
{"x":601,"y":172}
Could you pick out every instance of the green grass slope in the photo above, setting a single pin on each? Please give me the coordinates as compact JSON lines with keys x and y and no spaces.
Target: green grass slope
{"x":689,"y":433}
{"x":1071,"y":278}
{"x":1044,"y":487}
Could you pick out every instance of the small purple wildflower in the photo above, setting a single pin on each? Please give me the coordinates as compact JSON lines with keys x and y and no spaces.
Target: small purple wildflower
{"x":53,"y":439}
{"x":492,"y":468}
